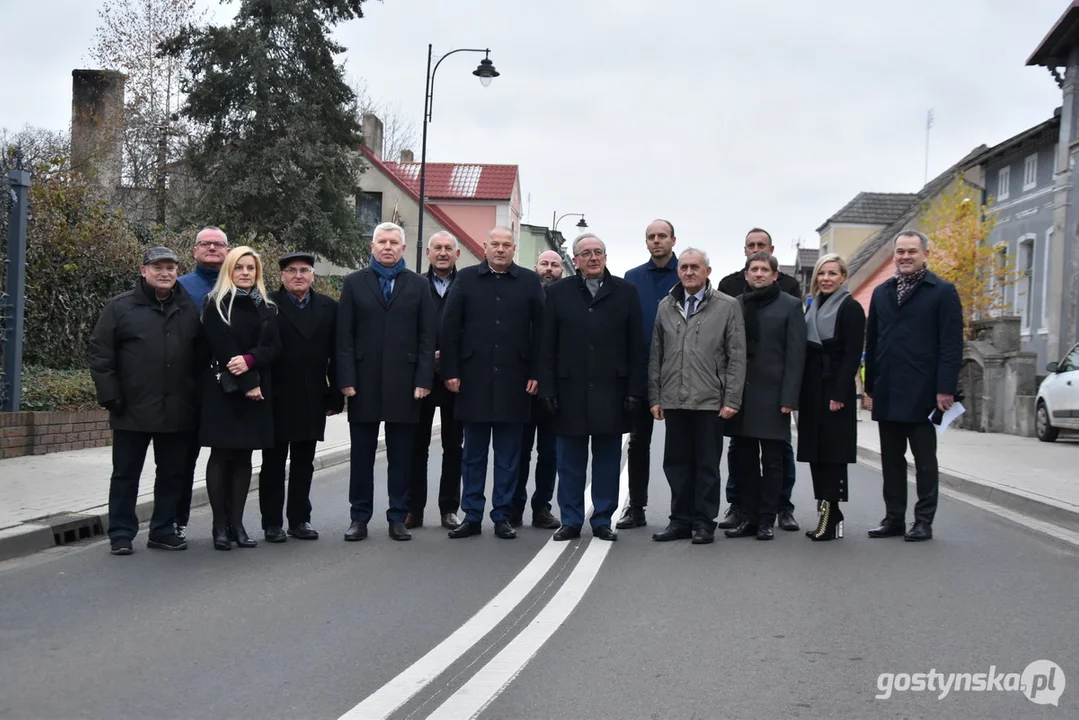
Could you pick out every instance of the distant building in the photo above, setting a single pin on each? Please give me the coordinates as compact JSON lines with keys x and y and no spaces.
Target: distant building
{"x":864,"y":216}
{"x":536,"y":239}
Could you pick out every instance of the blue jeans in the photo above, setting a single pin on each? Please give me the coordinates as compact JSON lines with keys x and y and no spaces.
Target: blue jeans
{"x":790,"y":470}
{"x":479,"y":437}
{"x":572,"y":471}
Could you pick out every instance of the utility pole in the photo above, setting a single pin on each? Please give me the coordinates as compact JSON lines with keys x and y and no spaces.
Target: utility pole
{"x":928,"y":125}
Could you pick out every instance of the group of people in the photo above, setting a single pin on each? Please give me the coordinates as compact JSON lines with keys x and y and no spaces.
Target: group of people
{"x":514,"y":358}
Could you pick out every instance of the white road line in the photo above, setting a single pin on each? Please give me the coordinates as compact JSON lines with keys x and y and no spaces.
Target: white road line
{"x":384,"y":701}
{"x":487,"y":684}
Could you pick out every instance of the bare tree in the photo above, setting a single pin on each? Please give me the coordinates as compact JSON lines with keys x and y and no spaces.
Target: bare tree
{"x":41,"y":147}
{"x":397,"y":133}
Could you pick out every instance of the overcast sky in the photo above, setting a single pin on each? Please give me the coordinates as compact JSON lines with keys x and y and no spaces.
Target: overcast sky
{"x":716,"y":115}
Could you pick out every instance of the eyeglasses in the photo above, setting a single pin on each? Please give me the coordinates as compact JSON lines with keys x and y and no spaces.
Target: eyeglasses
{"x":215,"y":245}
{"x":590,"y":253}
{"x":298,"y":271}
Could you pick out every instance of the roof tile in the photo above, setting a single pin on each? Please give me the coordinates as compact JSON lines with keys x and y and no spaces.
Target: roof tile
{"x":872,"y":208}
{"x":458,"y":181}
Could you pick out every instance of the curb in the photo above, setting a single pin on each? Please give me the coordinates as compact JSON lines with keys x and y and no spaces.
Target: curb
{"x":35,"y":536}
{"x":1015,"y":501}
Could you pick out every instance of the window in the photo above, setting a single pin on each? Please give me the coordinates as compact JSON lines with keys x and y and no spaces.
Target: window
{"x":368,"y":211}
{"x":1045,"y":281}
{"x":1024,"y":305}
{"x":1004,"y":180}
{"x":1071,"y":361}
{"x":1030,"y":173}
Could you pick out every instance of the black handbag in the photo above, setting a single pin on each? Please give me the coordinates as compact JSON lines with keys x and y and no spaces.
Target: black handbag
{"x":227,"y":380}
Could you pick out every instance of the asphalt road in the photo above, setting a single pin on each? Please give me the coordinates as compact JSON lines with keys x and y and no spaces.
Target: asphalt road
{"x":634,"y":629}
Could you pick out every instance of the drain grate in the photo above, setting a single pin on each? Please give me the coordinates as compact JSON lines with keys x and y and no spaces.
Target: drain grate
{"x":72,"y":527}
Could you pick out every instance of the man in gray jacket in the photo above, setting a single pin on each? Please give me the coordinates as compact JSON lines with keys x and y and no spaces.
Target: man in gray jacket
{"x":695,"y":377}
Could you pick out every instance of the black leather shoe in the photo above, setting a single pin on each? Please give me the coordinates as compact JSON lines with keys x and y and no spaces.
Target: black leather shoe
{"x":604,"y":532}
{"x":703,"y":536}
{"x":303,"y":531}
{"x":744,"y":529}
{"x":672,"y":532}
{"x":919,"y":530}
{"x":275,"y":535}
{"x":765,"y":532}
{"x":239,"y":536}
{"x":887,"y":528}
{"x":504,"y":531}
{"x":544,"y":520}
{"x":466,"y":529}
{"x":221,"y":539}
{"x":414,"y":520}
{"x":399,"y":532}
{"x":732,"y":519}
{"x":516,"y":521}
{"x":356,"y":531}
{"x":787,"y":522}
{"x":567,"y":533}
{"x":633,"y":517}
{"x":450,"y":521}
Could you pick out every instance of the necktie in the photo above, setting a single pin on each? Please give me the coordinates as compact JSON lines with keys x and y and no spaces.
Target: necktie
{"x":691,"y":303}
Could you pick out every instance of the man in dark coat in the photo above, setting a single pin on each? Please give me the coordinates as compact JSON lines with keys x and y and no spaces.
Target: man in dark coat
{"x":442,"y":255}
{"x":490,"y":357}
{"x":758,"y":240}
{"x":913,"y":352}
{"x":775,"y":361}
{"x":145,"y":355}
{"x":305,"y":393}
{"x":385,"y":365}
{"x":591,"y":380}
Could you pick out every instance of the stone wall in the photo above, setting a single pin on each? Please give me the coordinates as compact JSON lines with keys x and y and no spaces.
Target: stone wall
{"x":38,"y":433}
{"x":998,"y":380}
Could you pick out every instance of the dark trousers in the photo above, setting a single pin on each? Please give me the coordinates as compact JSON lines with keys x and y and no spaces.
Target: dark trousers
{"x":542,"y":434}
{"x":829,"y":481}
{"x":449,"y":485}
{"x":790,"y":471}
{"x":361,"y":478}
{"x":187,"y":481}
{"x":128,"y":457}
{"x":572,"y":452}
{"x":272,"y":482}
{"x":479,"y":437}
{"x":922,"y":437}
{"x":693,"y":448}
{"x":760,"y":478}
{"x":639,"y":456}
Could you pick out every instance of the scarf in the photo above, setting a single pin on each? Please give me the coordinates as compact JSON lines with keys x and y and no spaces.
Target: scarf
{"x":386,"y":276}
{"x":593,"y":285}
{"x":752,"y":302}
{"x":253,"y":293}
{"x":905,"y":284}
{"x":820,"y":320}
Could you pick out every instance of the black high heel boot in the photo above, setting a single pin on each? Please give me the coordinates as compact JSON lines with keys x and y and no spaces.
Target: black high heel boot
{"x":831,"y":522}
{"x":221,"y":538}
{"x":239,"y":536}
{"x":820,"y":514}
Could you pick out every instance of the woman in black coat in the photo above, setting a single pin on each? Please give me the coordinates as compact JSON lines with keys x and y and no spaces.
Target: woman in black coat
{"x":240,"y":322}
{"x":828,"y":415}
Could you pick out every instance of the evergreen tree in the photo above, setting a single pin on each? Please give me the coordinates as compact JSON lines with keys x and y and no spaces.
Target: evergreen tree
{"x":276,"y":140}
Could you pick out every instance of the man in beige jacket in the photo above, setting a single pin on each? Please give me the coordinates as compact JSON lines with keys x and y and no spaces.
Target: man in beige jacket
{"x":695,"y":377}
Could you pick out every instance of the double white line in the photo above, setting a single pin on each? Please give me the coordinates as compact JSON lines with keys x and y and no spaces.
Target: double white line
{"x":492,"y":678}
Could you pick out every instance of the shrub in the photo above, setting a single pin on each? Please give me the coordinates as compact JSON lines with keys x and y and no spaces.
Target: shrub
{"x":45,"y":389}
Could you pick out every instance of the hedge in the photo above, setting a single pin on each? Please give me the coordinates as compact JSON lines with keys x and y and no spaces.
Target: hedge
{"x":44,"y":389}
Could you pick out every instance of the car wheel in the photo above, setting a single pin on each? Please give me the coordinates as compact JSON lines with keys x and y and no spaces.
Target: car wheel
{"x":1046,"y":432}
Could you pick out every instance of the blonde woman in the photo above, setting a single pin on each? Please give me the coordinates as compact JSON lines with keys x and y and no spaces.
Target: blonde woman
{"x":828,"y":412}
{"x":240,"y":322}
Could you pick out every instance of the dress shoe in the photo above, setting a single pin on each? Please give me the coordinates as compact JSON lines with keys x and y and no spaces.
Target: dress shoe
{"x":633,"y":517}
{"x":765,"y":532}
{"x":356,"y":531}
{"x":238,"y":535}
{"x":732,"y":518}
{"x":466,"y":529}
{"x":604,"y":532}
{"x":275,"y":535}
{"x":703,"y":536}
{"x":504,"y":530}
{"x":787,"y":522}
{"x":544,"y":520}
{"x":567,"y":532}
{"x":887,"y":528}
{"x":221,"y":538}
{"x":413,"y":520}
{"x":171,"y":541}
{"x":672,"y":532}
{"x":399,"y":532}
{"x":919,"y":530}
{"x":303,"y":531}
{"x":450,"y":521}
{"x":744,"y":529}
{"x":516,"y":521}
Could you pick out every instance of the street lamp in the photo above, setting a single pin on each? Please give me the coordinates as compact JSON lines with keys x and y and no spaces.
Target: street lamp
{"x":486,"y":72}
{"x":581,"y":225}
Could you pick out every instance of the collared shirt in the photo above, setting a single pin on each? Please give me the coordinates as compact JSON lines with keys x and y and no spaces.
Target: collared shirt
{"x":442,"y":284}
{"x":300,"y":303}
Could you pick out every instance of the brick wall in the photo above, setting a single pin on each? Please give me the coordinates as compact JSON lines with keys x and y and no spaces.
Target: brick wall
{"x":38,"y":433}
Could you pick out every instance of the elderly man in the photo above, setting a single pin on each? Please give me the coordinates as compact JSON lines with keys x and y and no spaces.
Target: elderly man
{"x":145,"y":355}
{"x":538,"y":430}
{"x":442,"y":254}
{"x":654,"y":280}
{"x":305,"y":393}
{"x":735,"y":284}
{"x":775,"y":358}
{"x":913,"y":352}
{"x":591,"y":381}
{"x":695,"y":379}
{"x":490,"y":357}
{"x":385,"y":366}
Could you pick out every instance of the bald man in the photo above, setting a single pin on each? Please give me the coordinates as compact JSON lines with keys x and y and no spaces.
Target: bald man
{"x":549,"y":267}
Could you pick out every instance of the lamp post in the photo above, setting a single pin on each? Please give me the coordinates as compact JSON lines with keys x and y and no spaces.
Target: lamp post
{"x":581,"y":225}
{"x":486,"y":72}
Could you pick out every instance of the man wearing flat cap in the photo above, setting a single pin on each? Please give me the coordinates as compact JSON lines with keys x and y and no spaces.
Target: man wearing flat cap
{"x":146,"y":353}
{"x":305,"y":393}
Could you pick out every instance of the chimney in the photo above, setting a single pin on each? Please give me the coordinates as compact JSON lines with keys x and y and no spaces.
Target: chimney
{"x":372,"y":134}
{"x":97,"y":124}
{"x":407,"y":156}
